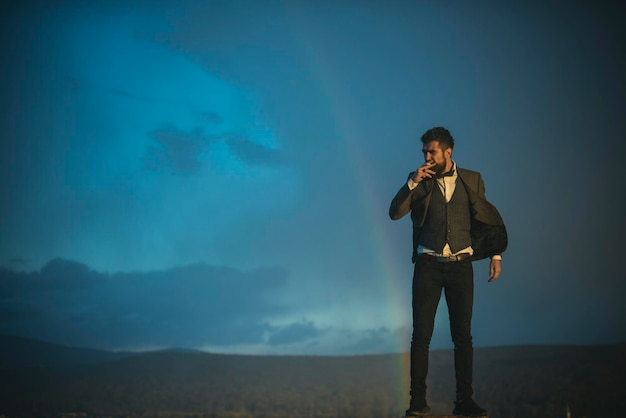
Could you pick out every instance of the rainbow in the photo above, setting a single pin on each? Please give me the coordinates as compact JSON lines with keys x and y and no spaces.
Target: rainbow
{"x":396,"y":283}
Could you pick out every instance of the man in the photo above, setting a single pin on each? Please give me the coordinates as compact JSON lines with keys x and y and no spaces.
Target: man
{"x":453,"y":225}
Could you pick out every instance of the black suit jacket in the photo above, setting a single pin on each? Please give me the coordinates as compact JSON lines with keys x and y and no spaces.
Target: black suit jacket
{"x":489,"y":236}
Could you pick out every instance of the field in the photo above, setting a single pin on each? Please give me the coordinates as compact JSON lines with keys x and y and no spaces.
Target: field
{"x":43,"y":380}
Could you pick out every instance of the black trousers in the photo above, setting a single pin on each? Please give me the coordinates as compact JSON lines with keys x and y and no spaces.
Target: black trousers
{"x":456,"y":279}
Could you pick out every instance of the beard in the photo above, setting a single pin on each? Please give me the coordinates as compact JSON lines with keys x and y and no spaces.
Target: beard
{"x":439,"y":167}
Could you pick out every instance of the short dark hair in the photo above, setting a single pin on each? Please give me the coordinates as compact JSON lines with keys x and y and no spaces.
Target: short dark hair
{"x":440,"y":134}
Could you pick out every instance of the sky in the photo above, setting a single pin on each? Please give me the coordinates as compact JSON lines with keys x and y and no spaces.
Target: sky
{"x":217,"y":175}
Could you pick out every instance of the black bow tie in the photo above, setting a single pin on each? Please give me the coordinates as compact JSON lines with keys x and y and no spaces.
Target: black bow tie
{"x":446,"y":174}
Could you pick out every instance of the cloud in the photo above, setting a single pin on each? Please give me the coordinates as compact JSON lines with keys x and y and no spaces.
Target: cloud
{"x":66,"y":302}
{"x":57,"y":275}
{"x":181,"y":152}
{"x":254,"y":153}
{"x":204,"y":306}
{"x":128,"y":95}
{"x":15,"y":263}
{"x":295,"y":333}
{"x":138,"y":155}
{"x":176,"y":150}
{"x":211,"y":117}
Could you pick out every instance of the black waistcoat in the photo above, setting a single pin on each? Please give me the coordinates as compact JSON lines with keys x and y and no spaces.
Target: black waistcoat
{"x":447,"y":222}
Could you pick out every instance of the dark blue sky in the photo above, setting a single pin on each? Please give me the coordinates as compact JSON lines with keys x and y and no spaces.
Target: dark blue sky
{"x":217,"y":175}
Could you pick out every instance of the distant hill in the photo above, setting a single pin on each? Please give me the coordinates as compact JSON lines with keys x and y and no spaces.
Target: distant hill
{"x":18,"y":352}
{"x":523,"y":381}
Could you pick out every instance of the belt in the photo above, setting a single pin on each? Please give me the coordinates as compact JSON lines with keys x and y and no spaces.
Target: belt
{"x":442,"y":259}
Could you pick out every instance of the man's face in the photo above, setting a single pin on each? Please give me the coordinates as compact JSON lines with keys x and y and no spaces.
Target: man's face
{"x":434,"y":154}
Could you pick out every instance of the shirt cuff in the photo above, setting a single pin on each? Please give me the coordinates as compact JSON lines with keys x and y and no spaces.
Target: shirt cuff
{"x":496,"y":257}
{"x":411,"y":184}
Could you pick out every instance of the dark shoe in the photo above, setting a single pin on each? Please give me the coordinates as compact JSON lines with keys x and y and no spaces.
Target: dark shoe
{"x":417,"y":409}
{"x":468,"y":408}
